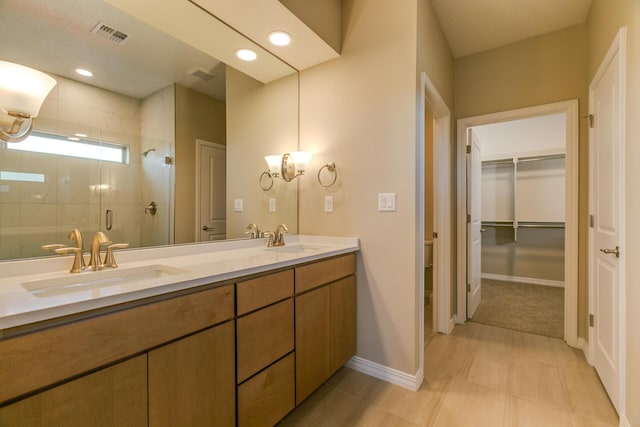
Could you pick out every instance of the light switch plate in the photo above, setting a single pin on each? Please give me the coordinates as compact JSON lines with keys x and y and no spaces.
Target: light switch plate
{"x":272,"y":205}
{"x":386,"y":202}
{"x":328,"y":204}
{"x":237,"y":205}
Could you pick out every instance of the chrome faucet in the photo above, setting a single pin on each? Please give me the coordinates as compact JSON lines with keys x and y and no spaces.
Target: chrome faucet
{"x":277,"y":237}
{"x":99,"y":239}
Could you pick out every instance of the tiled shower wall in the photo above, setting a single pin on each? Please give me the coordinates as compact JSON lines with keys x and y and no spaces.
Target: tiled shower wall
{"x":76,"y":192}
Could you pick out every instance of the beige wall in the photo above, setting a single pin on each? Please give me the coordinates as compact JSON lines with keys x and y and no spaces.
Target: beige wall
{"x":536,"y":71}
{"x":262,"y":120}
{"x":198,"y":116}
{"x":323,"y":17}
{"x":360,"y":110}
{"x":605,"y":18}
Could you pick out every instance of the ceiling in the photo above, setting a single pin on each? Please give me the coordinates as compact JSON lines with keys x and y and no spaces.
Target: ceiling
{"x":56,"y":37}
{"x":473,"y":26}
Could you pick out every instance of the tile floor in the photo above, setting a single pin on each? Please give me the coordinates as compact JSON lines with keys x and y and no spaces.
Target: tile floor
{"x":478,"y":376}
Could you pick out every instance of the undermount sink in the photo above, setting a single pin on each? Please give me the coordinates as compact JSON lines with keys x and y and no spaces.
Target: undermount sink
{"x":96,"y":281}
{"x":296,"y":249}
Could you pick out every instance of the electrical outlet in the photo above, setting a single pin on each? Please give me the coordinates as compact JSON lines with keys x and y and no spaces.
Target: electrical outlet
{"x":272,"y":205}
{"x":237,"y":205}
{"x":328,"y":204}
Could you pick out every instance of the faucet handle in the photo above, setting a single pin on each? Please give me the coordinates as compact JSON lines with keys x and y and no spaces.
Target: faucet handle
{"x":52,"y":247}
{"x":109,"y":258}
{"x":78,"y":259}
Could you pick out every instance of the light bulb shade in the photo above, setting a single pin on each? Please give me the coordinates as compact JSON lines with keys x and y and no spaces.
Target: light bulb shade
{"x":301,"y":160}
{"x":23,"y":89}
{"x":274,"y":162}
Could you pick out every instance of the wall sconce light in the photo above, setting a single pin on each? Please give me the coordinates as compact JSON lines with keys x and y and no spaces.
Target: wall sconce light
{"x":22,"y":92}
{"x":288,"y":166}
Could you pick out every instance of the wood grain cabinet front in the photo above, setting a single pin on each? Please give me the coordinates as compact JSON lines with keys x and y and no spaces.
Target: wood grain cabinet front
{"x":192,"y":381}
{"x":113,"y":396}
{"x":325,"y":321}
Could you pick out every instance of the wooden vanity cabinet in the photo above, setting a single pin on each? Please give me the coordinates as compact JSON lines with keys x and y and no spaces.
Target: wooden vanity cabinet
{"x":113,"y":396}
{"x":192,"y":381}
{"x":325,"y":321}
{"x":265,"y":343}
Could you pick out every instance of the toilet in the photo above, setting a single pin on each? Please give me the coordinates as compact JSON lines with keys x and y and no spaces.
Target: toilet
{"x":428,"y":253}
{"x":428,"y":270}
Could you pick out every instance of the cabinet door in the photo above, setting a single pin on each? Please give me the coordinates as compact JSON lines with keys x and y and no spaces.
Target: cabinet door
{"x":192,"y":381}
{"x":343,"y":321}
{"x":313,"y":341}
{"x":114,"y":396}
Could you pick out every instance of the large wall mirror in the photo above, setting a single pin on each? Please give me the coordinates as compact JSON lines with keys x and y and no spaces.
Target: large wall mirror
{"x":164,"y":144}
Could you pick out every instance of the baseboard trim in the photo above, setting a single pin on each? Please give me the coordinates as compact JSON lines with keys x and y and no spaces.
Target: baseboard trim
{"x":528,"y":280}
{"x":583,"y":345}
{"x":624,"y":422}
{"x":452,"y":324}
{"x":393,"y":376}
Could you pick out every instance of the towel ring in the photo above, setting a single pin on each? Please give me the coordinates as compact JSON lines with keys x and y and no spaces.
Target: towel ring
{"x":331,"y":167}
{"x":265,"y":184}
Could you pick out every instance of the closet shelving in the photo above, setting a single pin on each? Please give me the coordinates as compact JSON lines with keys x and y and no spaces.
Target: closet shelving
{"x":536,"y":199}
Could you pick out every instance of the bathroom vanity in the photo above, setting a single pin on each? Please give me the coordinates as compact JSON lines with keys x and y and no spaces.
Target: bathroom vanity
{"x":218,"y":334}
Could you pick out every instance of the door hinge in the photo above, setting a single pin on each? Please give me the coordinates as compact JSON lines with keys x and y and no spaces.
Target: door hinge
{"x":589,"y":117}
{"x":591,"y":221}
{"x":592,"y":321}
{"x":468,"y":287}
{"x":435,"y":234}
{"x":468,"y":218}
{"x":468,"y":149}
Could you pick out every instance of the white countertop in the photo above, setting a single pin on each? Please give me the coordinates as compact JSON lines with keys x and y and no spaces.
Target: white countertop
{"x":182,"y":267}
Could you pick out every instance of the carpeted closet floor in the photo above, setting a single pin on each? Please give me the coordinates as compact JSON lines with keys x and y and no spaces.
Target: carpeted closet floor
{"x":522,"y":307}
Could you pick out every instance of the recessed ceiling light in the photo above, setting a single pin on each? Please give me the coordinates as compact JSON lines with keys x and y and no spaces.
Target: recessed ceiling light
{"x":246,"y":54}
{"x":84,"y":72}
{"x":73,"y":138}
{"x":279,"y":38}
{"x":80,"y":135}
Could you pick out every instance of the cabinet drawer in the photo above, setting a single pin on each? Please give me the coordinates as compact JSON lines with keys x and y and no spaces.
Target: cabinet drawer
{"x":266,"y":398}
{"x":88,"y":344}
{"x":114,"y":396}
{"x":262,"y":291}
{"x":263,"y":337}
{"x":319,"y":273}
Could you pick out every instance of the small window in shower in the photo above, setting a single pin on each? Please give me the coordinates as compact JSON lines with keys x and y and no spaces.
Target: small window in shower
{"x":39,"y":142}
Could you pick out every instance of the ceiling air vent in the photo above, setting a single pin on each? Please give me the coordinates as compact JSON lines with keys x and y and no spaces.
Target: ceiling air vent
{"x":110,"y":33}
{"x":203,"y":74}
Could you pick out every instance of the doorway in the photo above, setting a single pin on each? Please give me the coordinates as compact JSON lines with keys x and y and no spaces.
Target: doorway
{"x":211,"y":191}
{"x":516,"y":233}
{"x":434,"y":226}
{"x":569,"y":110}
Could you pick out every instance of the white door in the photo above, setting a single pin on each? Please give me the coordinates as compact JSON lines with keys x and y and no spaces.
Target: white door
{"x":474,"y":240}
{"x":212,"y":180}
{"x":606,"y":256}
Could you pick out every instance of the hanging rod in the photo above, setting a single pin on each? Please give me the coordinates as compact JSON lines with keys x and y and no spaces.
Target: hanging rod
{"x":527,"y":224}
{"x":541,"y":225}
{"x":526,"y":159}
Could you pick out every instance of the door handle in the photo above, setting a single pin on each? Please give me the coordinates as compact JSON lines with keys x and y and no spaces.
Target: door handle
{"x":205,"y":228}
{"x":615,"y":251}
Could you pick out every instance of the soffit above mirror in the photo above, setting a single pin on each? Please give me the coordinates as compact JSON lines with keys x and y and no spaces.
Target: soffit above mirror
{"x":190,"y":24}
{"x":257,"y":18}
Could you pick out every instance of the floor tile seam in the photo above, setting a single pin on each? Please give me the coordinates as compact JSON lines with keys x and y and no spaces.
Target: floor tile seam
{"x":564,"y":406}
